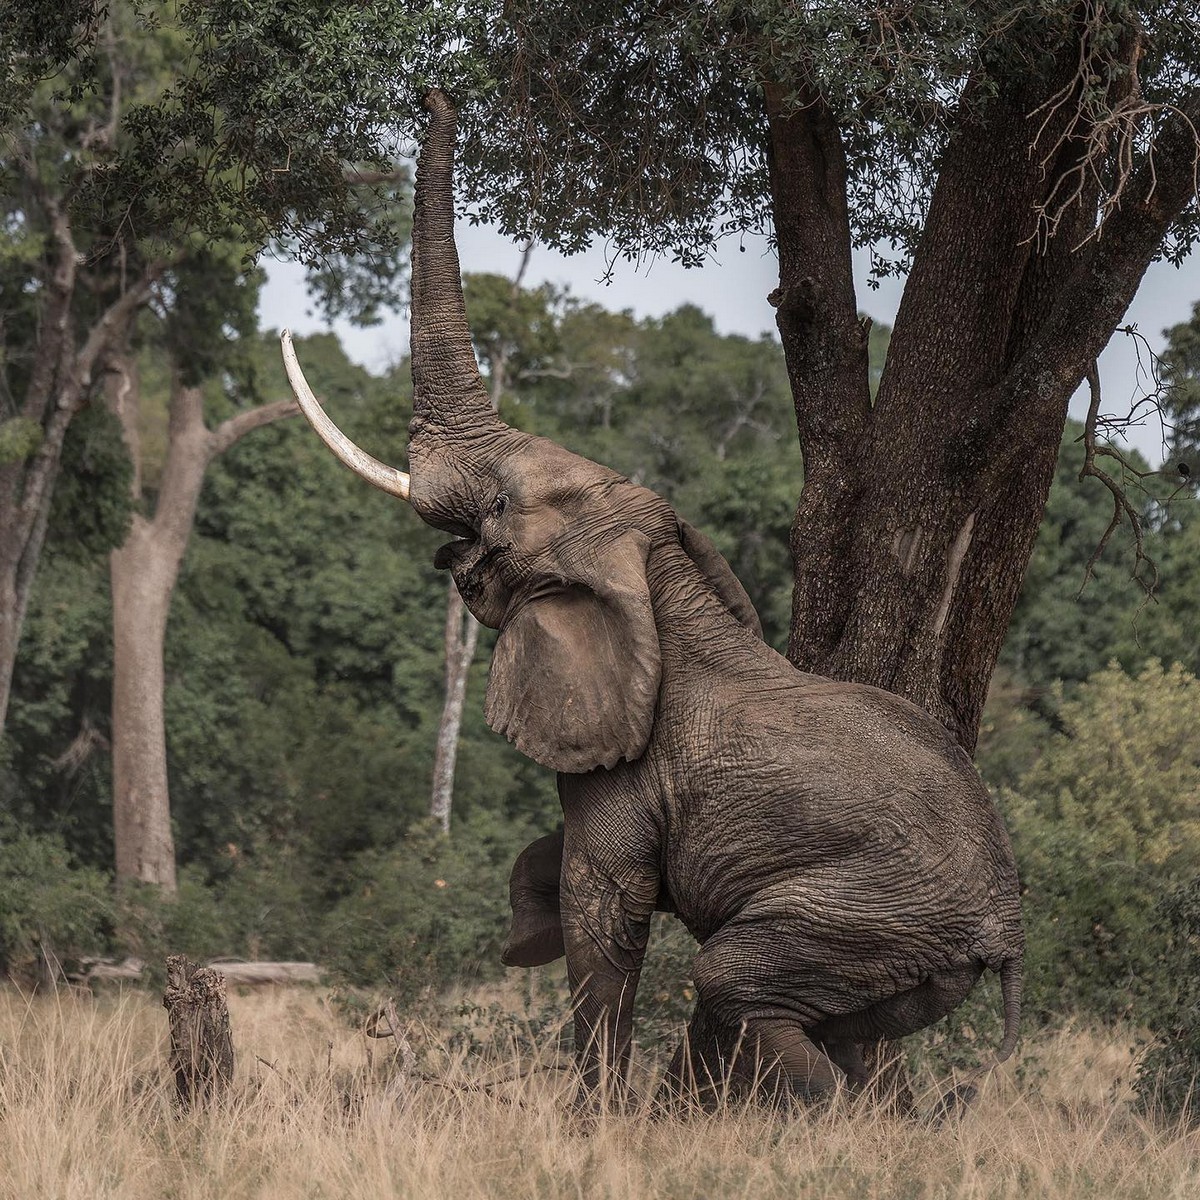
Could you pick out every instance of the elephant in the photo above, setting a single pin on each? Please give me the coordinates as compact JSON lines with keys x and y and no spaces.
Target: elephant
{"x":829,"y":845}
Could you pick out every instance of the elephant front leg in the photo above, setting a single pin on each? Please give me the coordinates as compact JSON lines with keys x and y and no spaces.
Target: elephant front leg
{"x":605,"y":928}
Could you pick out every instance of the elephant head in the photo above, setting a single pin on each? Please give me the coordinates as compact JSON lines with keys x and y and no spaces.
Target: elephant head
{"x":552,"y":549}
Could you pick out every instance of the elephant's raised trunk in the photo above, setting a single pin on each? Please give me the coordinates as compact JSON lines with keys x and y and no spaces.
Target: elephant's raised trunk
{"x":447,"y":386}
{"x":449,"y":397}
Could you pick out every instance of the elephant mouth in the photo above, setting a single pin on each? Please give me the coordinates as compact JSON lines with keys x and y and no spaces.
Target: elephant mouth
{"x":471,"y":580}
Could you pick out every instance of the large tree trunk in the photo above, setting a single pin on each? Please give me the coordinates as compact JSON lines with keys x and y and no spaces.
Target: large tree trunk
{"x":919,"y":511}
{"x":144,"y":571}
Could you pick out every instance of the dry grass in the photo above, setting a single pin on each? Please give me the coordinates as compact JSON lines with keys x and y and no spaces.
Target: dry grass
{"x":85,"y":1111}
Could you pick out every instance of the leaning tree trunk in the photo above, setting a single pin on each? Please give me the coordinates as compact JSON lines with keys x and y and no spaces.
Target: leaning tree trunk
{"x":144,"y":571}
{"x":920,"y":509}
{"x":59,"y":386}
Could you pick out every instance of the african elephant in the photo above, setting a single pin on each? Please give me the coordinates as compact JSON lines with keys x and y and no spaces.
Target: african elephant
{"x":829,"y":845}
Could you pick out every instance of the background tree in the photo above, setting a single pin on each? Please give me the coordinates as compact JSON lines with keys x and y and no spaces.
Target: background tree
{"x":109,"y":184}
{"x":144,"y":568}
{"x":1180,"y":370}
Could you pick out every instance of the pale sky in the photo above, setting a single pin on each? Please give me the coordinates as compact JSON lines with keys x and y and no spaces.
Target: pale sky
{"x":733,"y":288}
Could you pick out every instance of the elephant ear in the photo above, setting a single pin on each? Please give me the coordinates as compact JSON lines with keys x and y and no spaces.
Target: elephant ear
{"x":575,"y":673}
{"x":712,"y":565}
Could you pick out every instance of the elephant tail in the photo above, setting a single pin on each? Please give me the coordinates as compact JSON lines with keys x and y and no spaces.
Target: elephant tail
{"x":1012,"y":983}
{"x":962,"y":1095}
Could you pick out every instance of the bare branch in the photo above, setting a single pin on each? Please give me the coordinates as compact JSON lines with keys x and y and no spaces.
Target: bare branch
{"x":113,"y":324}
{"x":237,"y":426}
{"x":361,"y":177}
{"x":1093,"y":298}
{"x":88,"y":740}
{"x":1122,"y":508}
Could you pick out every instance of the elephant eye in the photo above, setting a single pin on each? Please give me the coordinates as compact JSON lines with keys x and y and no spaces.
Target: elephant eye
{"x":499,"y":504}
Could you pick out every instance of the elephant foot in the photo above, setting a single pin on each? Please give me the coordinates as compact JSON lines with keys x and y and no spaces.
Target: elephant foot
{"x":771,"y":1059}
{"x":953,"y":1105}
{"x":887,"y":1086}
{"x":784,"y":1062}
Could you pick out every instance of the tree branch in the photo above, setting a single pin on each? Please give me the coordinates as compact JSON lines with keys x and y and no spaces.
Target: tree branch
{"x":1092,"y":301}
{"x":1121,"y":506}
{"x":113,"y":322}
{"x":361,"y":177}
{"x":825,"y":346}
{"x":53,"y":349}
{"x":237,"y":426}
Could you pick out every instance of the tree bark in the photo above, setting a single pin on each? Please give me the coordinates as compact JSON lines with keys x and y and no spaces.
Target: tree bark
{"x":143,"y":573}
{"x":919,"y":512}
{"x":60,"y":385}
{"x":201,"y":1055}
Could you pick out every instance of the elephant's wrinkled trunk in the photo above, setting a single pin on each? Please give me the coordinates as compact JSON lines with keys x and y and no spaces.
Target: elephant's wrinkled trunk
{"x":447,"y":386}
{"x":454,"y":430}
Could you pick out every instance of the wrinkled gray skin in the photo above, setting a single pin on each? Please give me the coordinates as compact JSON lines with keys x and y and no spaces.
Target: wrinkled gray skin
{"x":829,"y":845}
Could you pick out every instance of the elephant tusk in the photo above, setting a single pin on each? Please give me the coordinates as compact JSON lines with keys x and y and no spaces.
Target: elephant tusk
{"x":386,"y":478}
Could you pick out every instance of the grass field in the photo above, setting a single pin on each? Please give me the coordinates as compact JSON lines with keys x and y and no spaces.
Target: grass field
{"x":320,"y":1111}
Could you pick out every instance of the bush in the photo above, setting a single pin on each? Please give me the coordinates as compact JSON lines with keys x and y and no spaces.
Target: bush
{"x":666,"y":994}
{"x":47,"y":903}
{"x":1104,"y":824}
{"x":431,"y":912}
{"x":1167,"y":1076}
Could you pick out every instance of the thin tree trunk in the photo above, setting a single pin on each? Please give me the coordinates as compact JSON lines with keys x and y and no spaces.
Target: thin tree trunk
{"x":462,"y":635}
{"x":143,"y":572}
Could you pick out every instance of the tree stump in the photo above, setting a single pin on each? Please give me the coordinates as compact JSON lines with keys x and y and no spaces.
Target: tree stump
{"x":201,"y":1053}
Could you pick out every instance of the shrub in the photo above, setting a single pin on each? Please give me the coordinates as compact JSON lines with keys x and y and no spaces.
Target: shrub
{"x":47,"y":903}
{"x":1169,"y":1071}
{"x":431,"y":912}
{"x":1104,"y":823}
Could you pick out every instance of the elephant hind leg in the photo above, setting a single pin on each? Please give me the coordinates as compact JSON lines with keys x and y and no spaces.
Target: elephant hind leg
{"x":906,"y":1011}
{"x":848,"y":1057}
{"x":780,"y":1059}
{"x":767,"y":1056}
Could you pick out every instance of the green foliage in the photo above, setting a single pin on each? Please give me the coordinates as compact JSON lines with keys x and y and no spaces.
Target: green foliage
{"x":581,"y":121}
{"x":427,"y":913}
{"x":56,"y":777}
{"x":666,"y":993}
{"x":19,"y":438}
{"x":260,"y":909}
{"x":1169,"y":1070}
{"x":1181,"y":378}
{"x":1103,"y":823}
{"x":37,"y":39}
{"x":594,"y":129}
{"x":49,"y":904}
{"x":1057,"y":630}
{"x":93,"y":502}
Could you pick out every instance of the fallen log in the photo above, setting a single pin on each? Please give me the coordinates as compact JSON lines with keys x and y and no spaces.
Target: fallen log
{"x":238,"y":973}
{"x":201,"y":1055}
{"x":268,"y":972}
